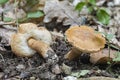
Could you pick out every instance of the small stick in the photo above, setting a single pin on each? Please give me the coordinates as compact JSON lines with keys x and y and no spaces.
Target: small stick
{"x":7,"y":23}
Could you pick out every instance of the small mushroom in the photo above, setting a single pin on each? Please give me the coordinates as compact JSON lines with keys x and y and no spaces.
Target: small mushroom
{"x":83,"y":39}
{"x":30,"y":39}
{"x":102,"y":56}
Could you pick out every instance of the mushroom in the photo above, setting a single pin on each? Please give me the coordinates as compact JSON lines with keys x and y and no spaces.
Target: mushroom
{"x":40,"y":33}
{"x":30,"y":39}
{"x":102,"y":56}
{"x":83,"y":39}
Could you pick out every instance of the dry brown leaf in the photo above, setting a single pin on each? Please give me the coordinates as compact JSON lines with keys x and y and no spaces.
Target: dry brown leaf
{"x":63,"y":11}
{"x":98,"y":78}
{"x":10,"y":11}
{"x":5,"y":34}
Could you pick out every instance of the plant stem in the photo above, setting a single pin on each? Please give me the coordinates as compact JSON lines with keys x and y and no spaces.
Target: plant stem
{"x":16,"y":7}
{"x":109,"y":48}
{"x":2,"y":14}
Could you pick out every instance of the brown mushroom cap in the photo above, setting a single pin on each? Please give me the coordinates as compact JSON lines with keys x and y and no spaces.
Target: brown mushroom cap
{"x":85,"y":39}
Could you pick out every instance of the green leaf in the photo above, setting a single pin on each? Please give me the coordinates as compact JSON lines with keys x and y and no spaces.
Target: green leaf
{"x":81,"y":73}
{"x":3,"y":1}
{"x":90,"y":9}
{"x":108,"y":62}
{"x":110,"y":36}
{"x":7,"y":19}
{"x":76,"y":74}
{"x":93,"y":2}
{"x":117,"y":59}
{"x":79,"y":6}
{"x":84,"y":72}
{"x":35,"y":14}
{"x":103,"y":16}
{"x":22,"y":19}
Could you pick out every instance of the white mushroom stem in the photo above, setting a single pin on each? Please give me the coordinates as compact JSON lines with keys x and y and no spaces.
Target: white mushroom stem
{"x":72,"y":54}
{"x":43,"y":49}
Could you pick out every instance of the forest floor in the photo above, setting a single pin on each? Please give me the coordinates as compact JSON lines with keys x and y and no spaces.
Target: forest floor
{"x":56,"y":19}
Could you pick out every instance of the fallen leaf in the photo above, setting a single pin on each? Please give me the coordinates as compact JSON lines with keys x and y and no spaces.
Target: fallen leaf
{"x":63,"y":11}
{"x":117,"y":59}
{"x":117,"y":2}
{"x":98,"y":78}
{"x":66,"y":69}
{"x":70,"y":78}
{"x":115,"y":42}
{"x":5,"y":34}
{"x":80,"y":73}
{"x":84,"y":72}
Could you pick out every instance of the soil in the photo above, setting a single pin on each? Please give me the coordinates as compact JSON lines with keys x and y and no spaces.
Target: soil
{"x":36,"y":68}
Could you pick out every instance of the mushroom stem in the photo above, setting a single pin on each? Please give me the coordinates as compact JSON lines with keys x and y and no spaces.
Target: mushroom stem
{"x":43,"y":49}
{"x":39,"y":46}
{"x":72,"y":54}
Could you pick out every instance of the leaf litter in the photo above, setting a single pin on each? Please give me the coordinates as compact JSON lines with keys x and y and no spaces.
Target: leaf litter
{"x":63,"y":12}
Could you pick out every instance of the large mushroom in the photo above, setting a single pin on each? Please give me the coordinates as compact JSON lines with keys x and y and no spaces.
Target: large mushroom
{"x":30,"y":39}
{"x":83,"y":39}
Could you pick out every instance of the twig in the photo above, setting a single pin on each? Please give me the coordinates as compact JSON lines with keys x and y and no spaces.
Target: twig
{"x":7,"y":23}
{"x":16,"y":7}
{"x":2,"y":14}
